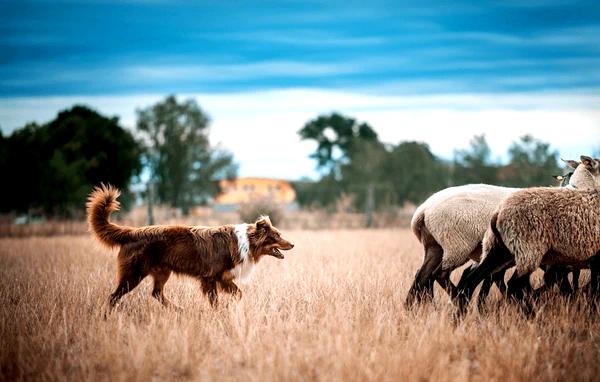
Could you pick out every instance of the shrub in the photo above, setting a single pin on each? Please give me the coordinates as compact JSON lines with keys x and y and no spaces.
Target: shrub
{"x":255,"y":208}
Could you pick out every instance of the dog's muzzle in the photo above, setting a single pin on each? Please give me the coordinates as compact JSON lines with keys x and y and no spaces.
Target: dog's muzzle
{"x":276,"y":253}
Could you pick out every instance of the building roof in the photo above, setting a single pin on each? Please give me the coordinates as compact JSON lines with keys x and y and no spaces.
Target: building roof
{"x":242,"y":190}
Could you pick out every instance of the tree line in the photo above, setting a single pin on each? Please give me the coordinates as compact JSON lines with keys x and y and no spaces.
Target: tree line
{"x":50,"y":168}
{"x":353,"y":161}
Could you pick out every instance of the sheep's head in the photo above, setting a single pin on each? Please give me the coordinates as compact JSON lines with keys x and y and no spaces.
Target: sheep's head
{"x":563,"y":179}
{"x":587,"y":174}
{"x":572,"y":163}
{"x":593,"y":165}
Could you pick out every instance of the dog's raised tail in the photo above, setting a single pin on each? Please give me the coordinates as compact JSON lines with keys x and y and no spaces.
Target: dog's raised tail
{"x":101,"y":203}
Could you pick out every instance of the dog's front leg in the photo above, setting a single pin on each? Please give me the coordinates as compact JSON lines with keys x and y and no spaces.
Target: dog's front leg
{"x":229,"y":286}
{"x":209,"y":288}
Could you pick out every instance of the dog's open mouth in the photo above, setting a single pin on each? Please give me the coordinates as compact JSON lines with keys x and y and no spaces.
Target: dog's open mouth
{"x":276,"y":253}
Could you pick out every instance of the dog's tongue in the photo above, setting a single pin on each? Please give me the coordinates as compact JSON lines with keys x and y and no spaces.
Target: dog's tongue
{"x":277,"y":254}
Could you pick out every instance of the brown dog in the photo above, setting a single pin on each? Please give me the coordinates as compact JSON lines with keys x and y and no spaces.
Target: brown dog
{"x":217,"y":256}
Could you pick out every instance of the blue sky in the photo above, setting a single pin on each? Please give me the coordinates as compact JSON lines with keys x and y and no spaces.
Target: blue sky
{"x":393,"y":64}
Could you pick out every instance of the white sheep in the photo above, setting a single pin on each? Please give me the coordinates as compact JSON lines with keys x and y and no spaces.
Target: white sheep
{"x":451,"y":224}
{"x":538,"y":226}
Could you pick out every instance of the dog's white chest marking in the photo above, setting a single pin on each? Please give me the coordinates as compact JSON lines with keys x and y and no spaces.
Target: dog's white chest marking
{"x":242,"y":271}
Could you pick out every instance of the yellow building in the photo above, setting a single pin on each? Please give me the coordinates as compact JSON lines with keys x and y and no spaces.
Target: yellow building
{"x":242,"y":190}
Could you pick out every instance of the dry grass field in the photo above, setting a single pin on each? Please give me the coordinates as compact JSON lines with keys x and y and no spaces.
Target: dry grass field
{"x":332,"y":310}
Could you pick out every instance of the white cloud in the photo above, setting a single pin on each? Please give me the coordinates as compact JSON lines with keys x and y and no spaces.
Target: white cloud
{"x":581,"y":36}
{"x":302,"y":37}
{"x":260,"y":128}
{"x":267,"y":69}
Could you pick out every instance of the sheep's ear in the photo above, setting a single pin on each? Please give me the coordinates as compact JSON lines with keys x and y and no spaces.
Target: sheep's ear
{"x":589,"y":163}
{"x":263,"y":222}
{"x":586,"y":160}
{"x":570,"y":162}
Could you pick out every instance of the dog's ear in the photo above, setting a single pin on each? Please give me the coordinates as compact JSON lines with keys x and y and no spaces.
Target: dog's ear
{"x":263,"y":223}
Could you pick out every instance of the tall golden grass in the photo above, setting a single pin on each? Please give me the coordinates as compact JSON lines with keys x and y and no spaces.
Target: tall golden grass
{"x":331,"y":310}
{"x":206,"y":216}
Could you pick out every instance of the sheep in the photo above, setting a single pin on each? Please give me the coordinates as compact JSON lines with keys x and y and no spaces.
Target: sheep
{"x":556,"y":274}
{"x":450,"y":224}
{"x":539,"y":226}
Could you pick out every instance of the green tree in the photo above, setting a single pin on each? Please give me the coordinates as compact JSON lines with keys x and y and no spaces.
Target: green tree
{"x":184,"y":166}
{"x":335,"y":135}
{"x":339,"y":139}
{"x":474,"y":165}
{"x":414,"y":172}
{"x":363,"y":175}
{"x":322,"y":193}
{"x":531,"y":163}
{"x":53,"y":167}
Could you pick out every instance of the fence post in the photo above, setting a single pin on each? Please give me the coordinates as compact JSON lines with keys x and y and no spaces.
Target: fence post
{"x":370,"y":204}
{"x":150,"y":197}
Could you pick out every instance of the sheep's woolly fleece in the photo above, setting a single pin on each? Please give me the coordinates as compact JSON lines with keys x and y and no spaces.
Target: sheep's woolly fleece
{"x":457,"y":218}
{"x":534,"y":221}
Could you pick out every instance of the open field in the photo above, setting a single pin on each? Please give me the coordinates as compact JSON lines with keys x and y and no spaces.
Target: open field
{"x":332,"y":310}
{"x":294,"y":220}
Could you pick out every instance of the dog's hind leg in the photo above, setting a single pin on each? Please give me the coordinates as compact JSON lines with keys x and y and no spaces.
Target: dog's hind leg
{"x":161,"y":275}
{"x":128,"y":279}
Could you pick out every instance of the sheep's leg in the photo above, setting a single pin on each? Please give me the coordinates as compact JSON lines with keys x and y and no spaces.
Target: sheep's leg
{"x":557,"y":275}
{"x":564,"y":284}
{"x":594,"y":286}
{"x":422,"y":287}
{"x":496,"y":278}
{"x":550,"y":277}
{"x":518,"y":285}
{"x":498,"y":259}
{"x":466,"y":273}
{"x":576,"y":274}
{"x":553,"y":275}
{"x":519,"y":289}
{"x":443,"y":278}
{"x":484,"y":291}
